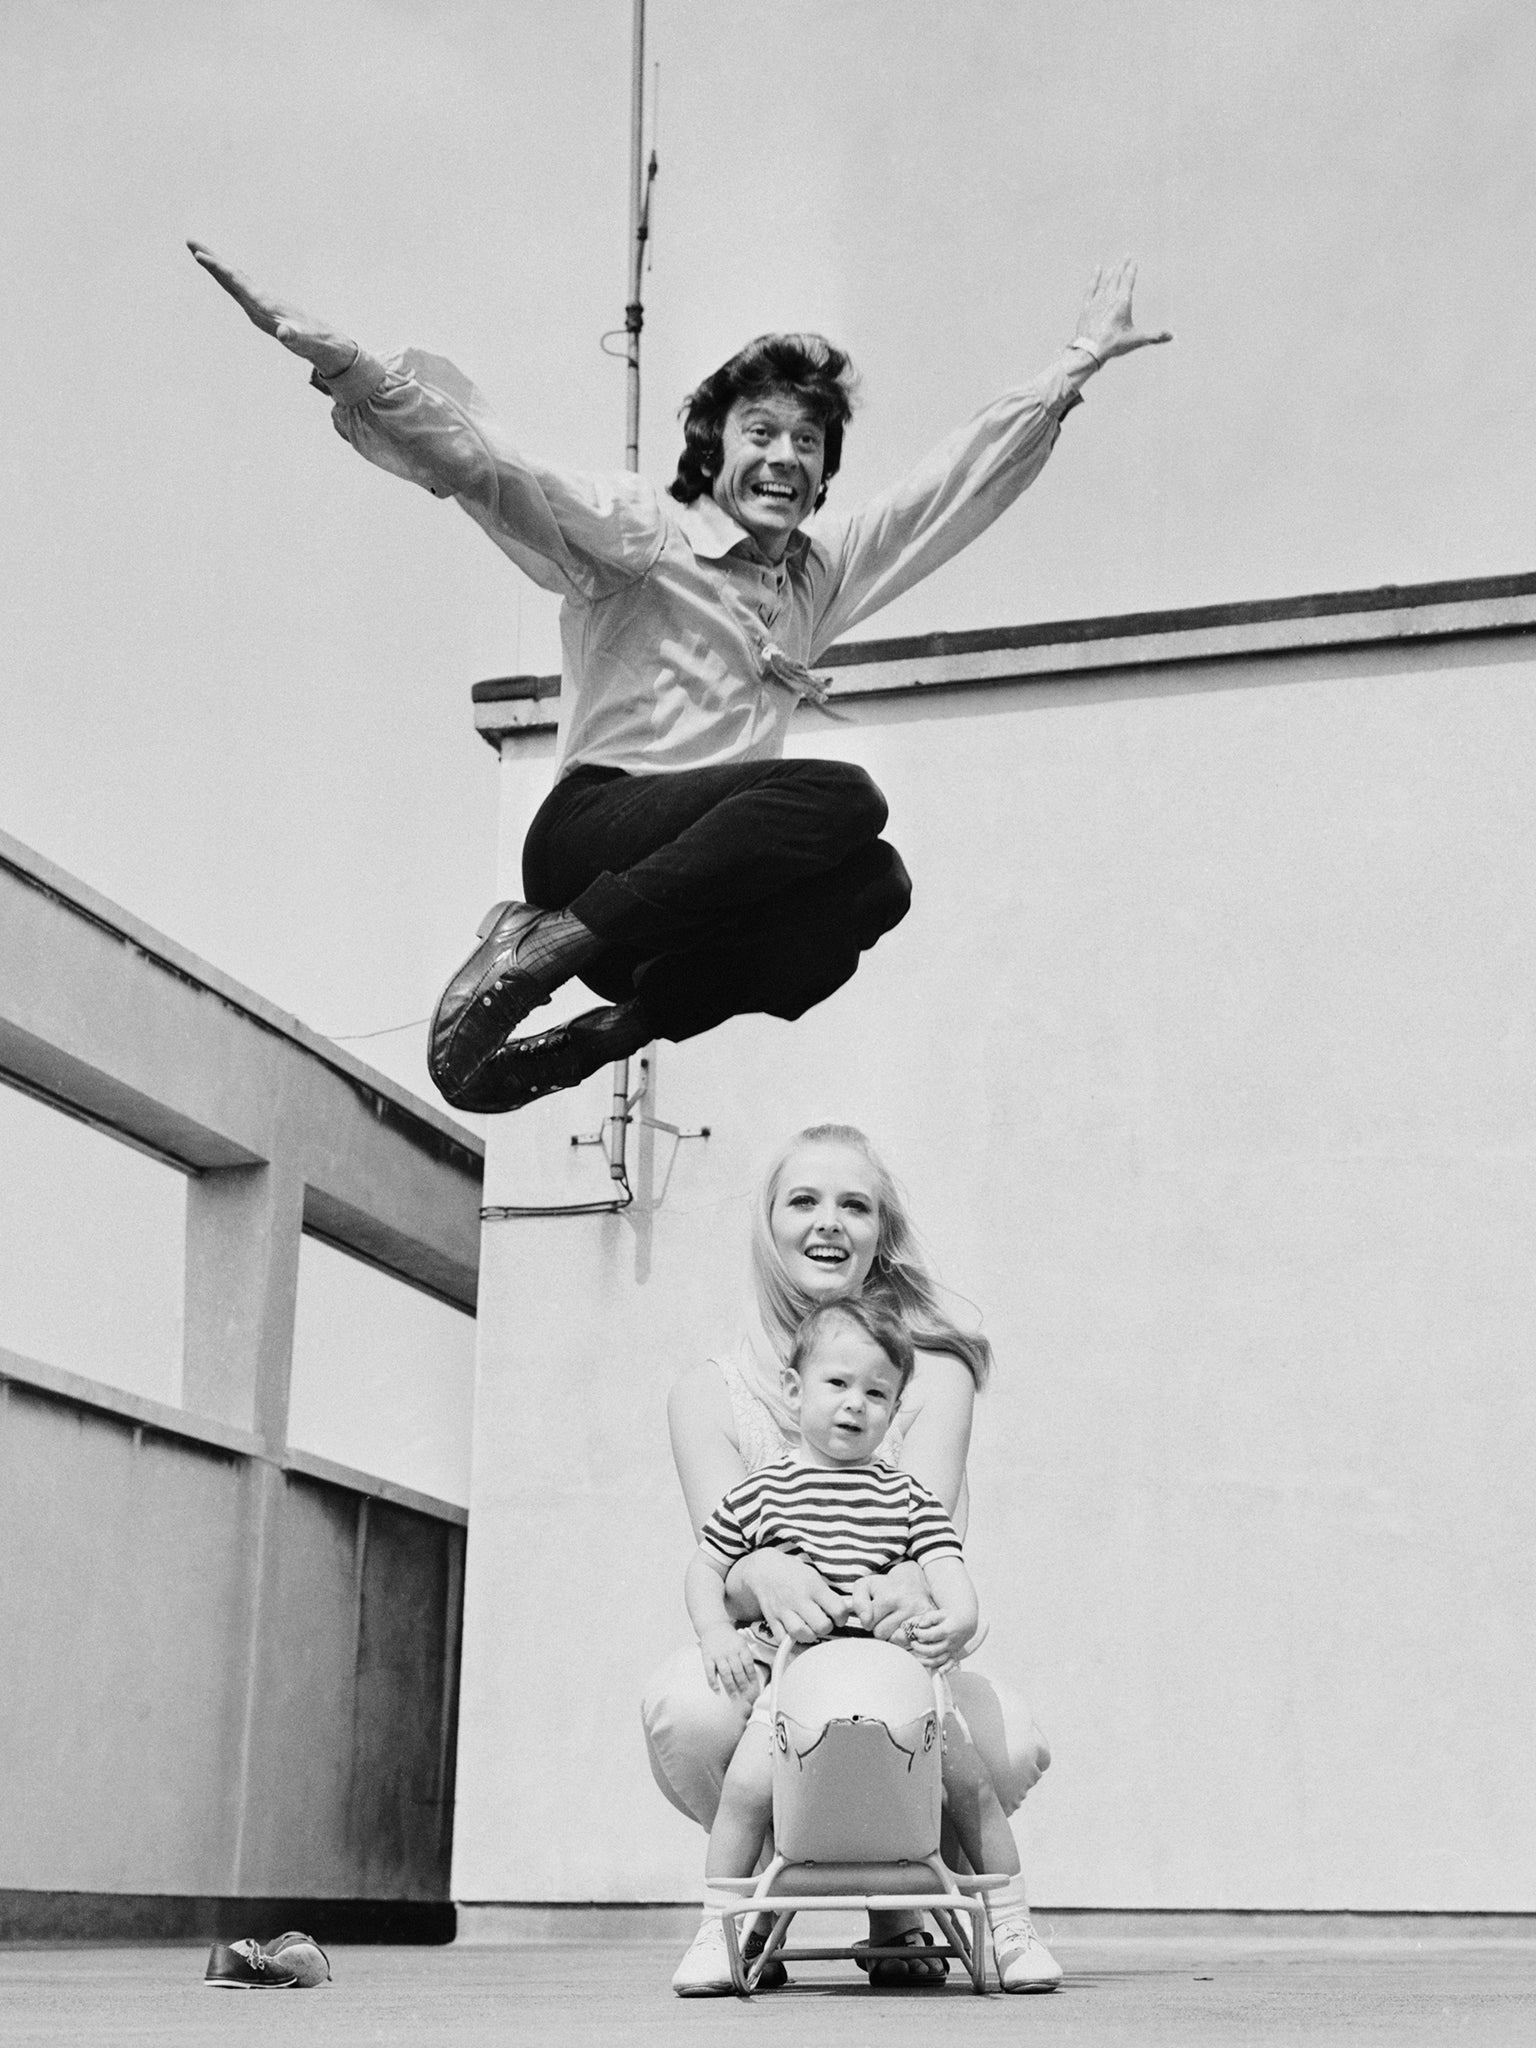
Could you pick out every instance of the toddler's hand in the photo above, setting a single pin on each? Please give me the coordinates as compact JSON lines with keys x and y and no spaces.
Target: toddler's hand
{"x":937,"y":1638}
{"x":729,"y":1664}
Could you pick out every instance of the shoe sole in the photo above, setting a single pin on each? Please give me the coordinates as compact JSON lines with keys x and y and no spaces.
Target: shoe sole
{"x":1040,"y":1984}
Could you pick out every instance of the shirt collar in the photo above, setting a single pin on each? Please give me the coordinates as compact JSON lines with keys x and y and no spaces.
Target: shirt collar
{"x":712,"y":533}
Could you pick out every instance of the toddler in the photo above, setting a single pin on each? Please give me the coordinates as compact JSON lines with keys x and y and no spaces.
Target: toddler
{"x":853,"y":1519}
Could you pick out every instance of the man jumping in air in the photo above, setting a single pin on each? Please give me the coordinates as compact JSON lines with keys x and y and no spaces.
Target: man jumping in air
{"x":681,"y":868}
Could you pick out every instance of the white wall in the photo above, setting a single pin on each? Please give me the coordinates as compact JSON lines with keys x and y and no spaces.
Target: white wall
{"x":1206,"y":1057}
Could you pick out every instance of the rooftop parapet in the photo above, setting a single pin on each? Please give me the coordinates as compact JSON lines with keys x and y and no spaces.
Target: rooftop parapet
{"x":510,"y":707}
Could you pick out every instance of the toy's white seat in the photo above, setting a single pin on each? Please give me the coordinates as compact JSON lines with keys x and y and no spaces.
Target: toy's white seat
{"x":857,"y":1803}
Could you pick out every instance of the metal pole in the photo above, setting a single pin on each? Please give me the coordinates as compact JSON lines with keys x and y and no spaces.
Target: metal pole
{"x":633,"y":312}
{"x":634,"y":317}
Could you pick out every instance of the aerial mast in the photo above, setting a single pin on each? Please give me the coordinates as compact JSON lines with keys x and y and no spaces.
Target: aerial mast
{"x":641,"y":178}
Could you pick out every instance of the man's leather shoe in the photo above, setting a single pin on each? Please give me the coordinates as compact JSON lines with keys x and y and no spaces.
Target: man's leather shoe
{"x":524,"y":956}
{"x":523,"y":1069}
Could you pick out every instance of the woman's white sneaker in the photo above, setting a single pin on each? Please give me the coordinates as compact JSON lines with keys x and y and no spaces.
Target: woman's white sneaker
{"x":705,"y":1972}
{"x":1024,"y":1963}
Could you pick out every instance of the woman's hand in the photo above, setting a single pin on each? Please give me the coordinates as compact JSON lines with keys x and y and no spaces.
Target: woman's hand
{"x":1106,"y":319}
{"x":886,"y":1604}
{"x":792,"y":1598}
{"x":729,"y":1664}
{"x":330,"y":352}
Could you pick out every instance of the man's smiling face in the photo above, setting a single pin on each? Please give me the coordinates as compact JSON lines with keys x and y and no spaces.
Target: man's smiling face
{"x":773,"y":449}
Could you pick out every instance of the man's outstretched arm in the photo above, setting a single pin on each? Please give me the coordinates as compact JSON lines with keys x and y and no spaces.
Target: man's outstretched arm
{"x":902,"y":534}
{"x":329,"y":352}
{"x":419,"y":418}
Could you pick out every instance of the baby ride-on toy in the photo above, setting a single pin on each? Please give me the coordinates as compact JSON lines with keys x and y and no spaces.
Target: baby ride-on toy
{"x":858,"y":1742}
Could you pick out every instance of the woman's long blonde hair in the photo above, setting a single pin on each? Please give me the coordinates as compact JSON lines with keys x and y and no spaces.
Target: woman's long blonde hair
{"x":899,"y":1277}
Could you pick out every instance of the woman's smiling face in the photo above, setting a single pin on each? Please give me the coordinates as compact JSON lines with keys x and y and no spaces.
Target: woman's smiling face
{"x":826,"y":1219}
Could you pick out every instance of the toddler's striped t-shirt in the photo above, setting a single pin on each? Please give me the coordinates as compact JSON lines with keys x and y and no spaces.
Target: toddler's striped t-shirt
{"x":848,"y":1522}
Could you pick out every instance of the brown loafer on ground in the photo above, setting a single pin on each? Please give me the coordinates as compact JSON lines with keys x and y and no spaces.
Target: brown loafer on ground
{"x":245,"y":1966}
{"x":302,"y":1954}
{"x":293,"y":1962}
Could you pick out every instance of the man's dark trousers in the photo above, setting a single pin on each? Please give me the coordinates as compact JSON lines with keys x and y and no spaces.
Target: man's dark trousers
{"x":719,"y":890}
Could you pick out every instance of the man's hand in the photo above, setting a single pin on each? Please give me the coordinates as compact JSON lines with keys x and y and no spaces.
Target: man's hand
{"x":330,"y":352}
{"x":792,"y":1598}
{"x":729,"y":1664}
{"x":1106,"y":319}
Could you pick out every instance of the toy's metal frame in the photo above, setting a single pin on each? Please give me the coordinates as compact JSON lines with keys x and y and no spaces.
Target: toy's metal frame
{"x":955,"y":1902}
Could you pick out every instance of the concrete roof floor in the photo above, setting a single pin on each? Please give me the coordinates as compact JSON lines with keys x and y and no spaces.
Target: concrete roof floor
{"x":1477,"y":1991}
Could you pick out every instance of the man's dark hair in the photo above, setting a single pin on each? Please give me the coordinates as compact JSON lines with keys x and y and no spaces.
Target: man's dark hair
{"x":806,"y":366}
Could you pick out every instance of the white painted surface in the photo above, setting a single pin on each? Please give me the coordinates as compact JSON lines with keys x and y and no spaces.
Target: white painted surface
{"x":1206,"y":1057}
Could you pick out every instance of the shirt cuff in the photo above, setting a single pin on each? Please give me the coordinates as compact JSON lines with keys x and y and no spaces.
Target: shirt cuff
{"x":357,"y":383}
{"x":1066,"y":395}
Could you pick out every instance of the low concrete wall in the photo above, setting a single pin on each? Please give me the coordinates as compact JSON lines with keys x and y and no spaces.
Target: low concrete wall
{"x":1206,"y":1056}
{"x":232,"y":1674}
{"x":237,"y":1680}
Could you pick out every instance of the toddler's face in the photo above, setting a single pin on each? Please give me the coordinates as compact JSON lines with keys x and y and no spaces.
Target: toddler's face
{"x":845,"y":1396}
